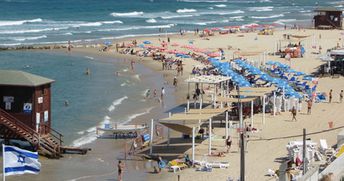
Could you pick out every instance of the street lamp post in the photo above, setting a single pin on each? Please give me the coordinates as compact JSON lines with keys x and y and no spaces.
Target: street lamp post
{"x":242,"y":136}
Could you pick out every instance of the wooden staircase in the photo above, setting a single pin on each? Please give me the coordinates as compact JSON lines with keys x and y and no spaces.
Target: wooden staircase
{"x":48,"y":145}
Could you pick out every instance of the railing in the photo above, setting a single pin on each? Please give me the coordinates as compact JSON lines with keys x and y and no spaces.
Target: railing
{"x":54,"y":133}
{"x":19,"y":124}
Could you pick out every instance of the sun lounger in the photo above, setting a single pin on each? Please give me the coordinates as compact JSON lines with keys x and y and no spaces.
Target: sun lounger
{"x":324,"y":149}
{"x":221,"y":165}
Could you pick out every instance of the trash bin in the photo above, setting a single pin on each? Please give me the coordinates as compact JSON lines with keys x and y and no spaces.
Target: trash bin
{"x":330,"y":124}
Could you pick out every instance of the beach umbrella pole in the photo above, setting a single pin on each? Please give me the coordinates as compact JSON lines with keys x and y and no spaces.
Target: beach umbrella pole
{"x":193,"y":145}
{"x":151,"y":137}
{"x":264,"y":109}
{"x":274,"y":107}
{"x":168,"y":131}
{"x":226,"y":125}
{"x":252,"y":113}
{"x":209,"y":145}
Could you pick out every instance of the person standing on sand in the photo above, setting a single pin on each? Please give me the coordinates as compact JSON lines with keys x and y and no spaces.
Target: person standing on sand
{"x":341,"y":96}
{"x":120,"y":170}
{"x":309,"y":106}
{"x":228,"y":143}
{"x":293,"y":112}
{"x":330,"y":96}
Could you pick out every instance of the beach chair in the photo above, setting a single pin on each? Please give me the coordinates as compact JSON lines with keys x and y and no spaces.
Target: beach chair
{"x":324,"y":149}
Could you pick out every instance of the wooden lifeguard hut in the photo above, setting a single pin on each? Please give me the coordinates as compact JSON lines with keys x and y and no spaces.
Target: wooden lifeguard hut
{"x":25,"y":111}
{"x":328,"y":18}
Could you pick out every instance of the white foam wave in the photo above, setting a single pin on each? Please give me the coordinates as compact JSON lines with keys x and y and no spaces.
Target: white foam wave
{"x":123,"y":84}
{"x":267,"y":17}
{"x":69,"y":33}
{"x":152,"y":20}
{"x":237,"y":18}
{"x":222,"y":12}
{"x":19,"y":22}
{"x":200,"y":1}
{"x":91,"y":58}
{"x":31,"y":31}
{"x":221,"y":5}
{"x":177,"y":16}
{"x":261,"y":9}
{"x":284,"y":21}
{"x":138,"y":27}
{"x":186,"y":10}
{"x":112,"y":22}
{"x":90,"y":134}
{"x":205,"y":23}
{"x":28,"y":38}
{"x":131,"y":117}
{"x":116,"y":103}
{"x":128,"y":14}
{"x":90,"y":24}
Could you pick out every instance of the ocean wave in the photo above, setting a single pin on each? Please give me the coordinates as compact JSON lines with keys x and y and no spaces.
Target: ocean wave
{"x":152,"y":20}
{"x":88,"y":57}
{"x":284,"y":21}
{"x":222,"y":12}
{"x":131,"y":117}
{"x":69,"y":33}
{"x":202,"y":1}
{"x":28,"y":38}
{"x":90,"y":24}
{"x":177,"y":16}
{"x":31,"y":31}
{"x":186,"y":10}
{"x":220,"y":5}
{"x":112,"y":22}
{"x":19,"y":22}
{"x":138,"y":27}
{"x":90,"y":134}
{"x":205,"y":23}
{"x":128,"y":14}
{"x":261,"y":9}
{"x":267,"y":17}
{"x":116,"y":103}
{"x":237,"y":18}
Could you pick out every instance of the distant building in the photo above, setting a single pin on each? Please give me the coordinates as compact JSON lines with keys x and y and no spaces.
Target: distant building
{"x":328,"y":18}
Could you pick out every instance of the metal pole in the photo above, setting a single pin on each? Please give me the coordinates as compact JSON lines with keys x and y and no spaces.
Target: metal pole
{"x":242,"y":149}
{"x":151,"y":137}
{"x":3,"y":162}
{"x":226,"y":124}
{"x":304,"y":152}
{"x":274,"y":101}
{"x":193,"y":145}
{"x":264,"y":109}
{"x":209,"y":145}
{"x":252,"y":114}
{"x":188,"y":105}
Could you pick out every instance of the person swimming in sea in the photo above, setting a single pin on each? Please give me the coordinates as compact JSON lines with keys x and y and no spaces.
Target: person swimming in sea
{"x":147,"y":94}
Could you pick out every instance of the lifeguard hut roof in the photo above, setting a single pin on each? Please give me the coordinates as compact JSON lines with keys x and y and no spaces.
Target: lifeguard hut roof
{"x":20,"y":78}
{"x":327,"y":9}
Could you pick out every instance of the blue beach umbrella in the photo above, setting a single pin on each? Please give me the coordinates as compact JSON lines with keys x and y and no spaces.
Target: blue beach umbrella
{"x":147,"y":42}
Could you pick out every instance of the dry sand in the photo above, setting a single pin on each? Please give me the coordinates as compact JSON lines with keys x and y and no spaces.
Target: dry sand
{"x":266,"y":147}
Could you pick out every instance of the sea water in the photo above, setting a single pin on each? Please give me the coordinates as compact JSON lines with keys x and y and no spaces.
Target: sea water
{"x":92,"y":99}
{"x":57,"y":21}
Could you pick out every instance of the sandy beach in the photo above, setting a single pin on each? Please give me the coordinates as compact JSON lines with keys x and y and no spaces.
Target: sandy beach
{"x":265,"y":148}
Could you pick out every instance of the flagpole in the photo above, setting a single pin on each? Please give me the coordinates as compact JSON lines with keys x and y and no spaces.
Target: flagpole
{"x":3,"y":162}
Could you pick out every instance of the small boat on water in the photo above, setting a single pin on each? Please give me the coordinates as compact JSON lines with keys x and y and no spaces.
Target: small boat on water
{"x":120,"y":130}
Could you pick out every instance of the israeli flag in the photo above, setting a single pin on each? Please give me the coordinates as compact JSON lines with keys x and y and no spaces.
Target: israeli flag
{"x":17,"y":161}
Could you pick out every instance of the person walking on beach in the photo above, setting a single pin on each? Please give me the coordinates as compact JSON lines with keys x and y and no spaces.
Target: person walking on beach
{"x":120,"y":170}
{"x":309,"y":106}
{"x":341,"y":96}
{"x":154,"y":93}
{"x":293,"y":112}
{"x":162,"y":94}
{"x":330,"y":96}
{"x":228,"y":143}
{"x":175,"y":81}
